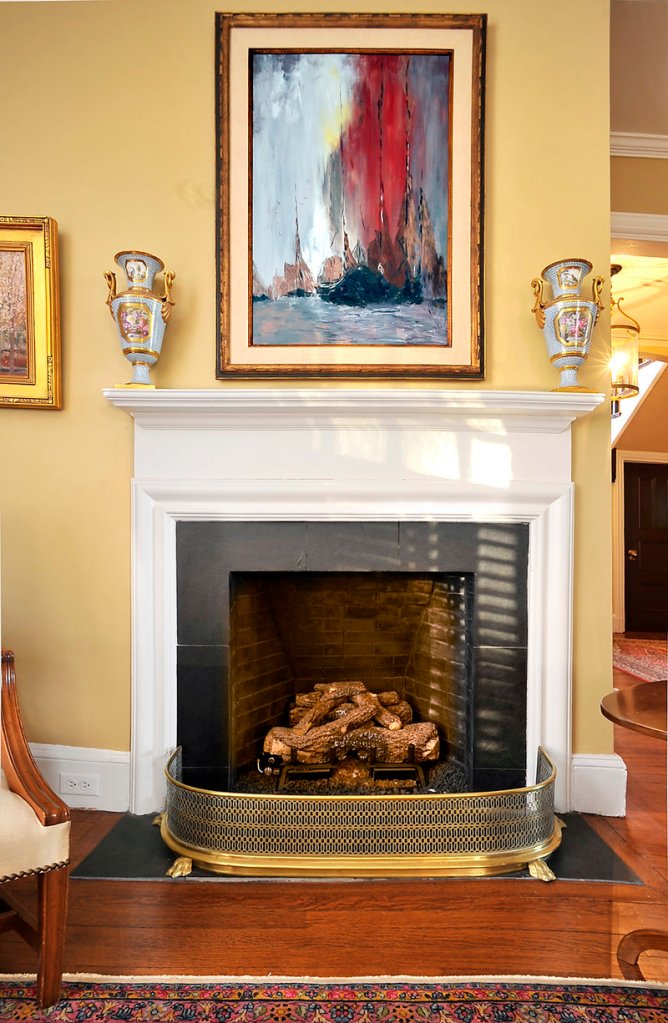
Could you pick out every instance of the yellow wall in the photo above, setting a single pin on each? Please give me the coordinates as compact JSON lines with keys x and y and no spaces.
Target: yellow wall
{"x":108,"y":126}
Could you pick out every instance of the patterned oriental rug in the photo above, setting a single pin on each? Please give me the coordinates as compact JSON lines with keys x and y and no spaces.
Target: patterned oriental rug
{"x":254,"y":1000}
{"x":644,"y":658}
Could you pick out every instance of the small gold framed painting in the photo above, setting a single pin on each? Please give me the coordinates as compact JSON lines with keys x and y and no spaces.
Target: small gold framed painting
{"x":30,"y":372}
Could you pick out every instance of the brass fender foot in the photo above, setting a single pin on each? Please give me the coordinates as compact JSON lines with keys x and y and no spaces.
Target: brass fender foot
{"x":181,"y":867}
{"x":157,"y":820}
{"x":540,"y":870}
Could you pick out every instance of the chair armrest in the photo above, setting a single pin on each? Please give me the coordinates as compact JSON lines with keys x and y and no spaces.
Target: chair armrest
{"x":23,"y":775}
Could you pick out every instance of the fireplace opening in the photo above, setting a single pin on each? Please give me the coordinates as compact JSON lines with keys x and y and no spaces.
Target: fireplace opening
{"x":346,"y":682}
{"x":267,"y":611}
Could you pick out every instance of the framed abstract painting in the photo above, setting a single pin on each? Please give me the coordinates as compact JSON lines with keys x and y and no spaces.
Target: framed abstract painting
{"x":30,"y":374}
{"x":350,"y":185}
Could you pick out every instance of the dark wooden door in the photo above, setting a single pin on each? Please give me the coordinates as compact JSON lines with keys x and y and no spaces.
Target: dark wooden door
{"x":646,"y":547}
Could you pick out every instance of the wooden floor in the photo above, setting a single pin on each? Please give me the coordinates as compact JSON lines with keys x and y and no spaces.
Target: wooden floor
{"x":418,"y":927}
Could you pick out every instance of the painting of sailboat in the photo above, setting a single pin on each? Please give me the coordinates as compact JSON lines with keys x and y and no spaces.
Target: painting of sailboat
{"x":350,"y":198}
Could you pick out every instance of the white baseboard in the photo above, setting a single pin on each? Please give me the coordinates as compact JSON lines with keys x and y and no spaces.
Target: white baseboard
{"x":599,"y":784}
{"x":598,"y":780}
{"x":104,"y":773}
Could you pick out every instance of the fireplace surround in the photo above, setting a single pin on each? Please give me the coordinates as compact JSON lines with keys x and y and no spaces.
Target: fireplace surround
{"x":249,"y":455}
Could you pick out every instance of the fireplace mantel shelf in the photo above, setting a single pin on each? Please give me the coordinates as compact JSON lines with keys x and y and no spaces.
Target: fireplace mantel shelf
{"x":285,"y":408}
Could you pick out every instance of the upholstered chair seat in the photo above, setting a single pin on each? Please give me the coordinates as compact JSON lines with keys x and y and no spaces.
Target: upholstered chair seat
{"x":26,"y":846}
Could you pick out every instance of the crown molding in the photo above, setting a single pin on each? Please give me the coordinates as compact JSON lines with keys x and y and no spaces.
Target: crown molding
{"x":633,"y":143}
{"x":650,"y":227}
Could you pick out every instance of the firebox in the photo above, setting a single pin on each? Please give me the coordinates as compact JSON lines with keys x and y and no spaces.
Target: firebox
{"x":296,"y":635}
{"x":434,"y":612}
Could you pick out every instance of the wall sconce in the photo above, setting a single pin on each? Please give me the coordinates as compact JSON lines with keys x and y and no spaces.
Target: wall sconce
{"x":624,"y":333}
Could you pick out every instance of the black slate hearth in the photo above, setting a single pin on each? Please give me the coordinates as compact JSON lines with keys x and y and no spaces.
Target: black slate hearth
{"x":134,"y":851}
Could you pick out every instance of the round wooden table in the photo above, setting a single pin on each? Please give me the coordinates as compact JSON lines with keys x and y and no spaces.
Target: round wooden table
{"x":642,"y":708}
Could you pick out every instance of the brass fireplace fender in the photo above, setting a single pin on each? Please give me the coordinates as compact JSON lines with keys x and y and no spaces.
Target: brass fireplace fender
{"x":419,"y":835}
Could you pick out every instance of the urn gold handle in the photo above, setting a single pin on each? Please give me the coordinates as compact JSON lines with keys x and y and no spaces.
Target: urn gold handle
{"x":167,"y":300}
{"x":538,"y":307}
{"x":110,"y":278}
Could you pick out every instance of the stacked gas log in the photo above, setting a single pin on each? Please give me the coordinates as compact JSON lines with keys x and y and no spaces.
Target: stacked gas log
{"x":338,"y":719}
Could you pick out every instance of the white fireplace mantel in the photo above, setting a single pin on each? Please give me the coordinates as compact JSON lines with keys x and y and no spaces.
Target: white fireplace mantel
{"x":350,"y":454}
{"x":393,"y":408}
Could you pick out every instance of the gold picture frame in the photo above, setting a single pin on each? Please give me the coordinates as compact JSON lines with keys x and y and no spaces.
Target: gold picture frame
{"x":350,"y":195}
{"x":30,"y":371}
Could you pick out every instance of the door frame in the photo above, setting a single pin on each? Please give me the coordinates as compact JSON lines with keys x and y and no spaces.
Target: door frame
{"x":618,"y":586}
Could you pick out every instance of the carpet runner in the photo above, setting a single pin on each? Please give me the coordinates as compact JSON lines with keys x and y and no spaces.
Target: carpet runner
{"x":359,"y":1001}
{"x":644,"y":658}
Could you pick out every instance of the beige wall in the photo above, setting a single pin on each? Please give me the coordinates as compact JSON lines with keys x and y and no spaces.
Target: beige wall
{"x":639,"y":86}
{"x":639,"y":185}
{"x":108,"y":122}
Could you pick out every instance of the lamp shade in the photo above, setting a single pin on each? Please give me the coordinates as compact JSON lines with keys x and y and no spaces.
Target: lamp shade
{"x":624,"y":333}
{"x":624,"y":359}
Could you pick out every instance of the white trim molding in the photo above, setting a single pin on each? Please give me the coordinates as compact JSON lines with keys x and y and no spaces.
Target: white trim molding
{"x":290,"y":454}
{"x":109,"y":768}
{"x":639,"y":144}
{"x":646,"y":227}
{"x":599,"y":784}
{"x":388,"y":408}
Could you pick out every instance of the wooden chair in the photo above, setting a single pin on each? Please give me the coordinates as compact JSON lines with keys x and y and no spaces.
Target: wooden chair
{"x":34,"y":840}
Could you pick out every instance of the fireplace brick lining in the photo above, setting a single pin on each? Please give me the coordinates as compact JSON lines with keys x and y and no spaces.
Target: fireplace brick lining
{"x":392,"y":631}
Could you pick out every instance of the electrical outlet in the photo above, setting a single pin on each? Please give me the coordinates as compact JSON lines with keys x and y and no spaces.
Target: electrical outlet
{"x":79,"y":784}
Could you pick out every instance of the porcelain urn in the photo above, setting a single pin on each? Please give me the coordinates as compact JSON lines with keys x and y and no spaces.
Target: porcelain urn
{"x":568,"y":319}
{"x":139,"y":313}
